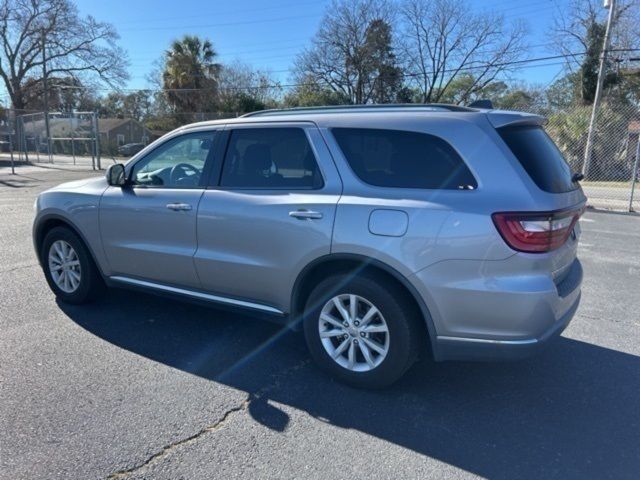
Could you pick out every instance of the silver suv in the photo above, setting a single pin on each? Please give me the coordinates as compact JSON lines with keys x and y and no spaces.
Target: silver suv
{"x":384,"y":231}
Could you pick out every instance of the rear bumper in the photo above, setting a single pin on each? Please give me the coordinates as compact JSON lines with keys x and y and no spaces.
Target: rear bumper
{"x":460,"y":348}
{"x":494,"y":311}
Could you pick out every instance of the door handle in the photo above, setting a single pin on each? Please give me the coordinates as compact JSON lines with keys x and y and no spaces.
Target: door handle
{"x":178,"y":206}
{"x":305,"y":215}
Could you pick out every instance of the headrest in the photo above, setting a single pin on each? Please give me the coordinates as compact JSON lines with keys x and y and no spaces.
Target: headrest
{"x":257,"y":157}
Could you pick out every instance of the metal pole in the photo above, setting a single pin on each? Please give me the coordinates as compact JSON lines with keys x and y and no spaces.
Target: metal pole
{"x":24,"y":141}
{"x":94,"y":149}
{"x":13,"y":169}
{"x":11,"y":144}
{"x":46,"y":96}
{"x":596,"y":101}
{"x":18,"y":139}
{"x":38,"y":149}
{"x":96,"y":136}
{"x":634,"y":175}
{"x":93,"y":155}
{"x":73,"y":147}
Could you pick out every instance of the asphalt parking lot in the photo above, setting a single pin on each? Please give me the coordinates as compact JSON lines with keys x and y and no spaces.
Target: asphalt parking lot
{"x":137,"y":386}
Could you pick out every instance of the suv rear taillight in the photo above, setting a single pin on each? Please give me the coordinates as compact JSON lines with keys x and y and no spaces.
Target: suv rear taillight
{"x":536,"y":232}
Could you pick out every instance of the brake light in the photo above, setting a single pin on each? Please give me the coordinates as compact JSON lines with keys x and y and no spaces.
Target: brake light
{"x":536,"y":232}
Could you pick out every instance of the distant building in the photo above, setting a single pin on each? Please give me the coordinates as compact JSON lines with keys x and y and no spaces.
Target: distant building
{"x":115,"y":132}
{"x":156,"y":134}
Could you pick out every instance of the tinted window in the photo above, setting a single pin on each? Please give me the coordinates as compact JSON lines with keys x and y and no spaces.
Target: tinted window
{"x":270,"y":158}
{"x":174,"y":164}
{"x":540,"y":157}
{"x":395,"y":158}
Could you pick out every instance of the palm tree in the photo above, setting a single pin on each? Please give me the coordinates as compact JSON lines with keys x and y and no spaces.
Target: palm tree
{"x":190,"y":75}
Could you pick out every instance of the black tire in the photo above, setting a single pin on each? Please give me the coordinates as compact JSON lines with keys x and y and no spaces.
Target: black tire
{"x":402,"y":322}
{"x":91,"y":284}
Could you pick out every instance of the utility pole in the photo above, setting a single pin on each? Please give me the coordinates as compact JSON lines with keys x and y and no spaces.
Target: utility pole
{"x":46,"y":95}
{"x":611,"y":4}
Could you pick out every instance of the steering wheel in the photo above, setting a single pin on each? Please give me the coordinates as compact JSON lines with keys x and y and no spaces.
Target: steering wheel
{"x":180,"y":170}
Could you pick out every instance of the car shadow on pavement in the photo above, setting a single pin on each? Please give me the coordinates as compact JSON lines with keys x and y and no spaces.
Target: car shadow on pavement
{"x":18,"y":181}
{"x":571,"y":412}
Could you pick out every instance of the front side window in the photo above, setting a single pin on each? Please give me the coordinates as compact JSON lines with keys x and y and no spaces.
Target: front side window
{"x":177,"y":163}
{"x":278,"y":158}
{"x":402,"y":159}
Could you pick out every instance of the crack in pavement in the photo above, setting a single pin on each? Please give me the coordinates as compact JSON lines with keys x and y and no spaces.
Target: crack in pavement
{"x":13,"y":269}
{"x":226,"y":417}
{"x":185,"y":441}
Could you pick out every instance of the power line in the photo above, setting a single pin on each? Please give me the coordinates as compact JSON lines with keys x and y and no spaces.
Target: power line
{"x":218,"y":13}
{"x":236,"y":54}
{"x":513,"y":8}
{"x":254,"y":44}
{"x":293,"y":85}
{"x":525,"y":5}
{"x":480,"y":52}
{"x":292,"y":47}
{"x":270,"y":57}
{"x":240,"y":52}
{"x":223,"y":24}
{"x":528,"y":10}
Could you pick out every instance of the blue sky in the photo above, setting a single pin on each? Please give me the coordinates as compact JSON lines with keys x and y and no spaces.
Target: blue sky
{"x":268,"y":34}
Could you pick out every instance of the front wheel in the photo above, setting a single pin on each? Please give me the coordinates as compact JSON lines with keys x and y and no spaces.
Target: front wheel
{"x":361,"y":332}
{"x":69,"y":268}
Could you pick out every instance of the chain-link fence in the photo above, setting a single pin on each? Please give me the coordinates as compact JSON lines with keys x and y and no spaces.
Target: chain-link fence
{"x":63,"y":138}
{"x":13,"y":150}
{"x":73,"y":138}
{"x":81,"y":138}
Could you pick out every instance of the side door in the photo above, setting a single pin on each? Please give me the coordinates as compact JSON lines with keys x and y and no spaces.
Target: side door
{"x":268,"y":213}
{"x":148,"y":227}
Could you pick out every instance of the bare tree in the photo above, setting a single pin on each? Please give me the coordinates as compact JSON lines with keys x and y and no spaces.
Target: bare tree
{"x":65,"y":94}
{"x":73,"y":46}
{"x":444,"y":39}
{"x":352,"y":52}
{"x":580,"y":23}
{"x":244,"y":88}
{"x":578,"y":33}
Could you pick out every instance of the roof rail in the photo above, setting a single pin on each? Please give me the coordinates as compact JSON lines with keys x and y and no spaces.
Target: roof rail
{"x":357,"y":108}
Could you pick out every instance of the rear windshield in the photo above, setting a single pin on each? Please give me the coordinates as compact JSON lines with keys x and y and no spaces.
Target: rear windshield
{"x":540,"y":157}
{"x":401,"y":159}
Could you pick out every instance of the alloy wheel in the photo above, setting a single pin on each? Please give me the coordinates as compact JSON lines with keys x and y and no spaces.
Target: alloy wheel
{"x":354,"y":332}
{"x":64,"y":266}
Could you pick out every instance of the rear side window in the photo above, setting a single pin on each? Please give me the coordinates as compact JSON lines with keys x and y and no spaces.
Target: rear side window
{"x":540,"y":157}
{"x":270,"y":158}
{"x":396,"y":158}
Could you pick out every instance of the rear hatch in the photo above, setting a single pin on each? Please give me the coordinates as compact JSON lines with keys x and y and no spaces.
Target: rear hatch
{"x":551,"y":232}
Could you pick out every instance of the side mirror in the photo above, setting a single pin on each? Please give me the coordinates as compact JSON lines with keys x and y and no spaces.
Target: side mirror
{"x":115,"y":175}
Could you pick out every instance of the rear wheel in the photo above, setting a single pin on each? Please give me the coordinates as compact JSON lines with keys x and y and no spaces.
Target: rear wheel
{"x":69,"y":268}
{"x":360,"y":331}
